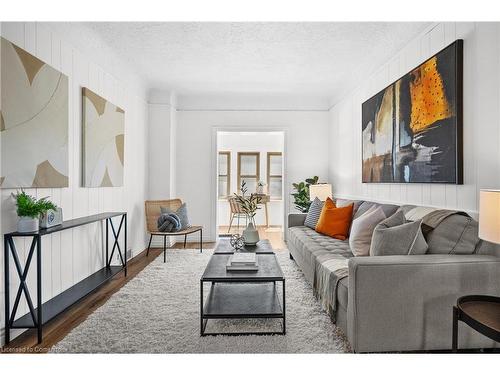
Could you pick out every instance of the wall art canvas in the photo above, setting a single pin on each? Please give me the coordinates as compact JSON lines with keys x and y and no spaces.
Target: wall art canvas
{"x":103,"y":141}
{"x":412,"y":130}
{"x":33,"y":121}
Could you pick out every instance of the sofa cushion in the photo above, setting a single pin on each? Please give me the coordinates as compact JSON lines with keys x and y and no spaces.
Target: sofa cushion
{"x":339,"y":202}
{"x":313,"y":214}
{"x":362,"y":228}
{"x":395,"y":236}
{"x":388,"y":209}
{"x":457,"y":234}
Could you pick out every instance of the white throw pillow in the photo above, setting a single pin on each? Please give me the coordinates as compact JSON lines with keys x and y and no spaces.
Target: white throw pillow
{"x":362,"y":230}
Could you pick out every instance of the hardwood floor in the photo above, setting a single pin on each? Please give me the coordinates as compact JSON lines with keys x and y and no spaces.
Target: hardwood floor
{"x":274,"y":234}
{"x":59,"y":327}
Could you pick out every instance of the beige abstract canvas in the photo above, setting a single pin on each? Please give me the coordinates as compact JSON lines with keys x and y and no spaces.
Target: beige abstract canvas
{"x":33,"y":121}
{"x":103,"y":141}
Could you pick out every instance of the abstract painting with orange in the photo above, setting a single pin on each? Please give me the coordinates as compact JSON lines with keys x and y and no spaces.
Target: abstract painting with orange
{"x":412,"y":130}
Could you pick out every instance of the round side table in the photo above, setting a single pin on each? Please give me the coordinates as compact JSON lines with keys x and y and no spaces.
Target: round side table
{"x":481,"y":313}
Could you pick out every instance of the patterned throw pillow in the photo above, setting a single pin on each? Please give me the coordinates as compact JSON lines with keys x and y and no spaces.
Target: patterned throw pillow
{"x":395,"y":236}
{"x":313,"y":213}
{"x":181,"y":213}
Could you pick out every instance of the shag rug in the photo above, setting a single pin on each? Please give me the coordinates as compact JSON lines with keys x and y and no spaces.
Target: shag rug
{"x":158,"y":312}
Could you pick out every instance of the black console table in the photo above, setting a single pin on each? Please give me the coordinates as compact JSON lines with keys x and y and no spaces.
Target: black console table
{"x":39,"y":316}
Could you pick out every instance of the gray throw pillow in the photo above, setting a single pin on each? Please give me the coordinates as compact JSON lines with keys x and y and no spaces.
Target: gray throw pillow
{"x":457,"y":234}
{"x":394,"y":236}
{"x":314,"y":213}
{"x":181,"y":213}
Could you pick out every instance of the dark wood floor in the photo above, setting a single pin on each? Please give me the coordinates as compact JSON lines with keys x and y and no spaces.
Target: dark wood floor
{"x":55,"y":330}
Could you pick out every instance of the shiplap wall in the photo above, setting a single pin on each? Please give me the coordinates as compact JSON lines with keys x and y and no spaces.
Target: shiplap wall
{"x":71,"y":255}
{"x":481,"y":121}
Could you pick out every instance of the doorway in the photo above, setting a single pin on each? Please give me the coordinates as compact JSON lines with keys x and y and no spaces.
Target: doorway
{"x":255,"y":158}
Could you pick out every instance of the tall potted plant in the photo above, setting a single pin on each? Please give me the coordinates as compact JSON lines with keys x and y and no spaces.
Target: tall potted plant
{"x":249,"y":204}
{"x":301,"y":194}
{"x":29,"y":210}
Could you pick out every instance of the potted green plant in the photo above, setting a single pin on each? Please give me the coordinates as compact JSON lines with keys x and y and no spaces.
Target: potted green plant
{"x":301,"y":194}
{"x":249,"y":204}
{"x":29,"y":210}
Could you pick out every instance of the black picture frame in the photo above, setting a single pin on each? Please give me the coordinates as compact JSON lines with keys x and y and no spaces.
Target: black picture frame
{"x":389,"y":169}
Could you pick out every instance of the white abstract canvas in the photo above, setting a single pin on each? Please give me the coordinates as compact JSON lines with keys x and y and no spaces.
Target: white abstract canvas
{"x":33,"y":121}
{"x":103,"y":141}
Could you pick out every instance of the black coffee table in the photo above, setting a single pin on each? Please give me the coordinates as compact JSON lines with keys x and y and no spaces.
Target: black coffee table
{"x":241,"y":294}
{"x":262,"y":247}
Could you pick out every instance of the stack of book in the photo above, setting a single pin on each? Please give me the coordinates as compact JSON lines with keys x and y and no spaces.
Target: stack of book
{"x":242,"y":262}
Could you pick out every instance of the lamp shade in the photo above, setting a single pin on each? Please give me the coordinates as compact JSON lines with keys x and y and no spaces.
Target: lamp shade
{"x":322,"y":191}
{"x":489,"y":215}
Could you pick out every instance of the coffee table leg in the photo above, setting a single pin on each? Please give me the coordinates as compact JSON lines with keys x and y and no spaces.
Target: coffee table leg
{"x":201,"y":309}
{"x":284,"y":309}
{"x":454,"y":338}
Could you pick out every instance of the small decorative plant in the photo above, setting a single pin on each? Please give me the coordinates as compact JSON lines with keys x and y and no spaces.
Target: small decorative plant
{"x":301,"y":194}
{"x":261,"y":185}
{"x":29,"y":206}
{"x":249,"y":203}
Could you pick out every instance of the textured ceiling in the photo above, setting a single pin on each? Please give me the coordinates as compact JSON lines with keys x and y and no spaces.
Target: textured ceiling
{"x":310,"y":59}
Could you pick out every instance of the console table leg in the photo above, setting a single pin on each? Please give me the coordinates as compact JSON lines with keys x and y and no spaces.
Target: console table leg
{"x":39,"y":286}
{"x":454,"y":338}
{"x":125,"y":244}
{"x":108,"y":262}
{"x":7,"y":288}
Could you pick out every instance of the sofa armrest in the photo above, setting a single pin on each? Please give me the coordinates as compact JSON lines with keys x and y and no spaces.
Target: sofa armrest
{"x":296,"y":220}
{"x":401,"y":303}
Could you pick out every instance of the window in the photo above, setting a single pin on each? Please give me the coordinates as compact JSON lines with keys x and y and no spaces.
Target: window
{"x":249,"y":170}
{"x":224,"y":174}
{"x":275,"y":174}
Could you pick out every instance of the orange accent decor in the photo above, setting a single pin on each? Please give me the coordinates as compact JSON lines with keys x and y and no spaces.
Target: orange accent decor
{"x":428,"y":99}
{"x":333,"y":221}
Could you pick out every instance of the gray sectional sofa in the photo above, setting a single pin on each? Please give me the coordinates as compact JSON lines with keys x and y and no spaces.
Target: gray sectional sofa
{"x":402,"y":302}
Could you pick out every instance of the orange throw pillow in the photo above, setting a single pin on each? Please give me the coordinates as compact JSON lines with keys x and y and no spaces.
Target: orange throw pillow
{"x":333,"y":221}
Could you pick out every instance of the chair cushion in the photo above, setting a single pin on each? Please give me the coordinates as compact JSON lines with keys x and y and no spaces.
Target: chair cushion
{"x":313,"y":213}
{"x":335,"y":222}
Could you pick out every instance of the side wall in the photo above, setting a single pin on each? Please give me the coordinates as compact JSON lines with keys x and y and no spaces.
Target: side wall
{"x":306,"y":153}
{"x":71,"y":255}
{"x":481,"y":121}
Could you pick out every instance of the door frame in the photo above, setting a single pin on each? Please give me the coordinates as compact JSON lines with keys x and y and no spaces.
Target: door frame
{"x":214,"y":166}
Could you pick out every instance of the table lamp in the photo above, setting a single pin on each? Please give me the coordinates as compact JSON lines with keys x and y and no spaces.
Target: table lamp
{"x":489,"y":215}
{"x":321,"y":191}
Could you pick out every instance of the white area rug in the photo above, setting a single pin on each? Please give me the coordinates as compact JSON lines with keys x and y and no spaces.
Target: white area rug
{"x":158,"y":312}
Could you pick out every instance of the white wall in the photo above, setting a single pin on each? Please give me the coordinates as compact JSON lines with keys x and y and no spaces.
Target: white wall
{"x":262,"y":142}
{"x":306,"y":152}
{"x":481,"y":121}
{"x":71,"y":255}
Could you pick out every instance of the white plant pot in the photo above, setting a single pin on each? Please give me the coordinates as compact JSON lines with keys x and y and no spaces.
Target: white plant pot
{"x":27,"y":224}
{"x":250,"y":234}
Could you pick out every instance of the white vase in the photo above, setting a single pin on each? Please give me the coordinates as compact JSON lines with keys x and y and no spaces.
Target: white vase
{"x":250,"y":234}
{"x":27,"y":224}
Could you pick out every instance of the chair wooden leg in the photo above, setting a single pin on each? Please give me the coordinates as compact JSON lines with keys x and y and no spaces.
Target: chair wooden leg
{"x":230,"y":223}
{"x":185,"y":239}
{"x":149,"y":245}
{"x":164,"y":249}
